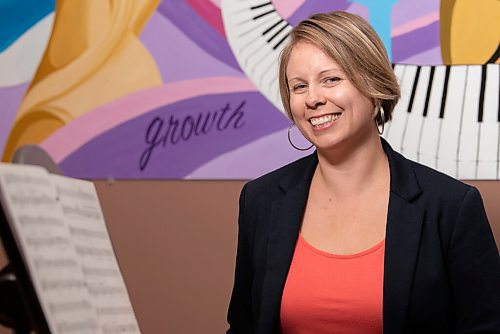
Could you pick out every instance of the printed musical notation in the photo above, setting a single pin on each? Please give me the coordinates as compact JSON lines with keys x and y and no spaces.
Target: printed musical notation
{"x":53,"y":264}
{"x":87,"y":227}
{"x":62,"y":236}
{"x":22,"y":179}
{"x":121,"y":328}
{"x":103,"y":290}
{"x":26,"y":220}
{"x":80,"y":212}
{"x":88,"y":325}
{"x":70,"y":306}
{"x":62,"y":284}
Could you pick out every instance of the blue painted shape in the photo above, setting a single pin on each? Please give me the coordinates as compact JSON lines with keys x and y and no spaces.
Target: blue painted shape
{"x":380,"y":19}
{"x":17,"y":16}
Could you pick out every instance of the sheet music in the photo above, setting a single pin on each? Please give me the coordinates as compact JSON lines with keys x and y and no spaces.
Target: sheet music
{"x":83,"y":214}
{"x":58,"y":224}
{"x":53,"y":263}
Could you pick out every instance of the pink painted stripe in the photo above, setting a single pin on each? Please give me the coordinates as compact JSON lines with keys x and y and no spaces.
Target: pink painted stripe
{"x":415,"y":24}
{"x":70,"y":137}
{"x":287,"y":8}
{"x":216,"y":2}
{"x":210,"y":13}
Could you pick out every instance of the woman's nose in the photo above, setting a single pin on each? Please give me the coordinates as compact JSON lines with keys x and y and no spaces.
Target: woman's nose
{"x":315,"y":97}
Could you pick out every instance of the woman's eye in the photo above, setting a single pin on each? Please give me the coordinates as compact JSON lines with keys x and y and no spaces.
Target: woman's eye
{"x":332,"y":80}
{"x":299,"y":88}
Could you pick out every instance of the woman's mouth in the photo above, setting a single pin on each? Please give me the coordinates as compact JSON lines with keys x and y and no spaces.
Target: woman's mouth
{"x":325,"y":120}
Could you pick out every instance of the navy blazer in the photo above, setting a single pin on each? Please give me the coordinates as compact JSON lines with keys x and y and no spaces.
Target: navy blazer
{"x":441,"y":267}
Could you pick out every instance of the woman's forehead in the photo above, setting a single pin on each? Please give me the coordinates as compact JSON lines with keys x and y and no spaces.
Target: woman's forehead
{"x":307,"y":57}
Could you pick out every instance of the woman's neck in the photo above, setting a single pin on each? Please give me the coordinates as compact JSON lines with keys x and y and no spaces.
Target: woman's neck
{"x":347,"y":173}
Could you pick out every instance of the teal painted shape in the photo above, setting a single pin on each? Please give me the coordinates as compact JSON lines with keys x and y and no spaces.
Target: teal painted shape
{"x":17,"y":16}
{"x":380,"y":19}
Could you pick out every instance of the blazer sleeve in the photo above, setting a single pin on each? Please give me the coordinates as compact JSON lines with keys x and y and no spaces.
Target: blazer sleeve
{"x":474,"y":269}
{"x":239,"y":315}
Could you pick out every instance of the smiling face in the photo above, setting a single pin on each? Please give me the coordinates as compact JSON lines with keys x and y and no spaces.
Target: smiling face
{"x":326,"y":107}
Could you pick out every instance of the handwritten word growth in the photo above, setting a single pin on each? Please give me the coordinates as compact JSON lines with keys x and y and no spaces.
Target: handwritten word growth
{"x":161,"y":132}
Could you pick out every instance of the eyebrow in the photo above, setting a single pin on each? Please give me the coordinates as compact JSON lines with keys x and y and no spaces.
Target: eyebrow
{"x":320,"y":73}
{"x":330,"y":70}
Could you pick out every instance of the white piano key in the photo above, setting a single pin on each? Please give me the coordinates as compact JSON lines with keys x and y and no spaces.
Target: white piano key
{"x":427,"y":150}
{"x":448,"y":143}
{"x":416,"y":117}
{"x":255,"y":55}
{"x":249,"y":30}
{"x":400,"y":115}
{"x":467,"y":164}
{"x":488,"y":141}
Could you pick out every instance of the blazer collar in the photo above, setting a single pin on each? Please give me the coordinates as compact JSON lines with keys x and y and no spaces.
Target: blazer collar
{"x":404,"y":223}
{"x":403,"y":180}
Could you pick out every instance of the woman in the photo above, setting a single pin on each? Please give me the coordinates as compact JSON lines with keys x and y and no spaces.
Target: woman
{"x":355,"y":238}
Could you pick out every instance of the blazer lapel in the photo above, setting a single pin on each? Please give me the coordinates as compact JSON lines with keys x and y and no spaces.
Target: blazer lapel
{"x":286,"y":218}
{"x":404,"y":225}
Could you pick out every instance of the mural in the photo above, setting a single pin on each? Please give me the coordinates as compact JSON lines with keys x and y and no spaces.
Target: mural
{"x":188,"y":89}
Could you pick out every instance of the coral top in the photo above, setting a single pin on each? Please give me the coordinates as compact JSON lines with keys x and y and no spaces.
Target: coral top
{"x":328,"y":293}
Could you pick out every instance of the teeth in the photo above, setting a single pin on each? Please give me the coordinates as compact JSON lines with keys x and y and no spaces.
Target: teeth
{"x":324,"y":119}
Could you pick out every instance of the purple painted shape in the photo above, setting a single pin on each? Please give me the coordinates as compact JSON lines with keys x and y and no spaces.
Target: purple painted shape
{"x":417,"y":41}
{"x":178,"y":57}
{"x":359,"y":9}
{"x":241,"y":164}
{"x":429,"y":57}
{"x":10,"y":99}
{"x":408,"y":10}
{"x":118,"y":152}
{"x":195,"y":28}
{"x":316,"y":6}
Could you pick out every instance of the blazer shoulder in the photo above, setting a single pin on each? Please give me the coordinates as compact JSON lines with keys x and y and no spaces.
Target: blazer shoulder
{"x":289,"y":174}
{"x":438,"y":184}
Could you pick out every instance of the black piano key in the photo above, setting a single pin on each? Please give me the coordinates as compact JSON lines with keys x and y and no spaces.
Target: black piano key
{"x":261,"y":5}
{"x":481,"y":94}
{"x":429,"y":89}
{"x":277,"y":33}
{"x":263,"y":14}
{"x":280,"y":42}
{"x":271,"y":27}
{"x":252,"y":28}
{"x":414,"y":89}
{"x":445,"y":91}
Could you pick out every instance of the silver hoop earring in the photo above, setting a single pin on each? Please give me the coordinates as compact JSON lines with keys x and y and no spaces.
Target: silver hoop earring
{"x":293,"y":145}
{"x":382,"y":119}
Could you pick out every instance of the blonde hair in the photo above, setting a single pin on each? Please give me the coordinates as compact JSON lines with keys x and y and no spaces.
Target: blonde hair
{"x":353,"y":44}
